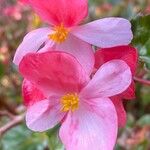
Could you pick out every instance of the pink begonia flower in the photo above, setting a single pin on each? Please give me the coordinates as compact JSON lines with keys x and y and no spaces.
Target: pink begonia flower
{"x":130,"y":56}
{"x":63,"y":33}
{"x":57,"y":89}
{"x":24,"y":1}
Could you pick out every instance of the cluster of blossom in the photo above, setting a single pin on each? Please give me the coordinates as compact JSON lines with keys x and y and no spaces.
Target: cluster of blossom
{"x":67,"y":82}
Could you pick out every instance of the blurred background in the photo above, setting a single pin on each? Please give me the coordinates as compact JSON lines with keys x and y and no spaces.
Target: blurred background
{"x":17,"y":19}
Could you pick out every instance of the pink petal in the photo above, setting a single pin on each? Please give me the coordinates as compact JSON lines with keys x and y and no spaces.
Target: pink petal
{"x":47,"y":47}
{"x":31,"y":94}
{"x":31,"y":43}
{"x":91,"y":128}
{"x":24,"y":1}
{"x":121,"y":113}
{"x":112,"y":78}
{"x":126,"y":53}
{"x":107,"y":32}
{"x":81,"y":50}
{"x":68,"y":12}
{"x":129,"y":93}
{"x":43,"y":115}
{"x":54,"y":72}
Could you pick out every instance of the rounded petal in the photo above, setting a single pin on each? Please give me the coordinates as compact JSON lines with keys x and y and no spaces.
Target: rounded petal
{"x":94,"y":127}
{"x":31,"y":94}
{"x":121,"y":113}
{"x":81,"y":50}
{"x":31,"y":43}
{"x":68,"y":12}
{"x":129,"y":93}
{"x":126,"y":53}
{"x":54,"y":72}
{"x":43,"y":115}
{"x":112,"y":78}
{"x":107,"y":32}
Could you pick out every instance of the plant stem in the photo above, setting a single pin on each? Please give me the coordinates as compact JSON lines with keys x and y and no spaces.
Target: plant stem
{"x":143,"y":81}
{"x":14,"y":122}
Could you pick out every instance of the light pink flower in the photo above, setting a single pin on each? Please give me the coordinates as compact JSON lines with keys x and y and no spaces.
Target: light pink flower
{"x":57,"y":89}
{"x":64,"y":34}
{"x":130,"y":55}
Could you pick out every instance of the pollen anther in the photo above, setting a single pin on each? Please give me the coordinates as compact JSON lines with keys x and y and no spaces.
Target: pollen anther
{"x":69,"y":102}
{"x":60,"y":34}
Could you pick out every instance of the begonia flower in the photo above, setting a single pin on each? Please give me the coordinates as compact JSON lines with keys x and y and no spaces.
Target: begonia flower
{"x":130,"y":56}
{"x":57,"y":89}
{"x":64,"y":33}
{"x":24,"y":1}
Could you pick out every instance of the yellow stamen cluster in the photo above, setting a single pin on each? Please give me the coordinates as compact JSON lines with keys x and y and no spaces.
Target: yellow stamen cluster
{"x":60,"y":34}
{"x":69,"y":102}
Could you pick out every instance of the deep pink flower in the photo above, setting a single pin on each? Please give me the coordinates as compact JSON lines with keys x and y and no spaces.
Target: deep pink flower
{"x":57,"y":87}
{"x":64,"y":34}
{"x":130,"y":56}
{"x":24,"y":1}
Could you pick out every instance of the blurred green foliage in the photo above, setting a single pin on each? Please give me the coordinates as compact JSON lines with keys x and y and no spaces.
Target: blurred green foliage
{"x":1,"y":70}
{"x":141,"y":30}
{"x":20,"y":138}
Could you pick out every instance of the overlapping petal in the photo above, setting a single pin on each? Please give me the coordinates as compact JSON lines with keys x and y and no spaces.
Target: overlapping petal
{"x":107,"y":32}
{"x":43,"y":115}
{"x":121,"y":113}
{"x":118,"y":102}
{"x":68,"y":12}
{"x":50,"y":74}
{"x":54,"y":72}
{"x":129,"y":93}
{"x":126,"y":53}
{"x":31,"y":94}
{"x":81,"y":50}
{"x":130,"y":56}
{"x":89,"y":128}
{"x":31,"y":43}
{"x":112,"y":78}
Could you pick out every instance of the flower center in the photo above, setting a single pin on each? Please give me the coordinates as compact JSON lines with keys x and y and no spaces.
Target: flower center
{"x":60,"y":34}
{"x":70,"y":102}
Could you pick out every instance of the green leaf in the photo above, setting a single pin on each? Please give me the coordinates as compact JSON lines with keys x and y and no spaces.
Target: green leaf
{"x":130,"y":120}
{"x":146,"y":60}
{"x":141,"y":31}
{"x":141,"y":40}
{"x":20,"y":138}
{"x":118,"y":147}
{"x":1,"y":70}
{"x":145,"y":96}
{"x":54,"y":141}
{"x":145,"y":120}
